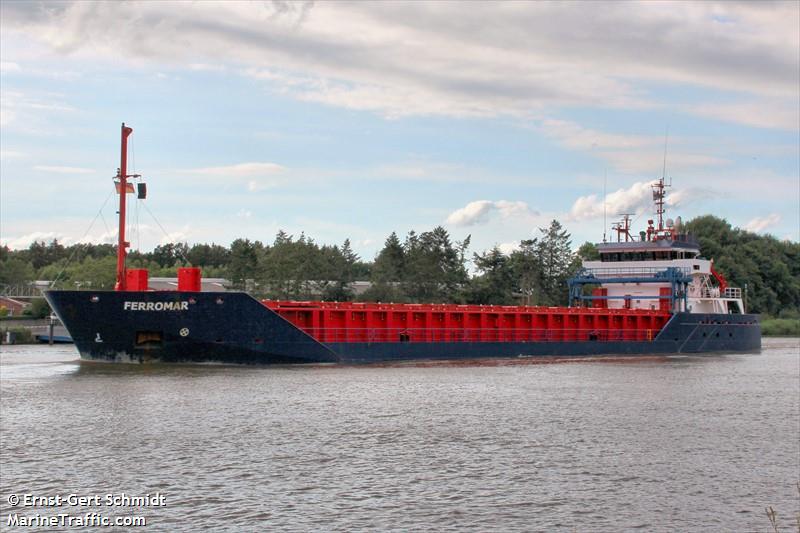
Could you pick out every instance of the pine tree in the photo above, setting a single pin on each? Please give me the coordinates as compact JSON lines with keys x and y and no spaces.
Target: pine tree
{"x":390,"y":262}
{"x":387,"y":272}
{"x":244,"y":262}
{"x":555,"y":254}
{"x":527,"y":272}
{"x":495,"y":285}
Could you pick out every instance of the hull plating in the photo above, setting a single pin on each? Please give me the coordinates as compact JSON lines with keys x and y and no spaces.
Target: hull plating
{"x":236,"y":328}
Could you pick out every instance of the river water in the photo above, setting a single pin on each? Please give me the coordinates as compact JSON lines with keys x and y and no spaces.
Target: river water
{"x":653,"y":443}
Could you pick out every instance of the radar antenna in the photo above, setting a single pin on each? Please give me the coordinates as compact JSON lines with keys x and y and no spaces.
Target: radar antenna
{"x":623,"y":227}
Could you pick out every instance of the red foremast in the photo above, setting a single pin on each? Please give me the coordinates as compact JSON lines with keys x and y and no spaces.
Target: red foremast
{"x":122,"y":189}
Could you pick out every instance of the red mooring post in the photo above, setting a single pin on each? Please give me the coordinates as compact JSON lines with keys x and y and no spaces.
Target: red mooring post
{"x":122,"y":244}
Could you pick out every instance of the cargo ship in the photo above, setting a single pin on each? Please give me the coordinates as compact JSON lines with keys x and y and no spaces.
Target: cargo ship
{"x":650,"y":293}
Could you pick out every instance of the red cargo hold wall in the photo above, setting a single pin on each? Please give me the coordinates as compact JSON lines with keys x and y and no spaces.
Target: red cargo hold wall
{"x":374,"y":322}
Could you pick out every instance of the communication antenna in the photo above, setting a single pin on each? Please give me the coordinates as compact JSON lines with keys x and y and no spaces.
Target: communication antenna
{"x":605,"y":181}
{"x":664,"y":168}
{"x":658,"y":188}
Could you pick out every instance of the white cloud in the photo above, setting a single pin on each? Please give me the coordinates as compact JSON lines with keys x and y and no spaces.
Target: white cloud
{"x":107,"y":237}
{"x":438,"y":58}
{"x":175,"y":236}
{"x":63,"y":169}
{"x":472,"y":213}
{"x":508,"y":247}
{"x":261,"y":185}
{"x":11,"y":154}
{"x":572,"y":135}
{"x":683,"y":197}
{"x":7,"y":67}
{"x":759,"y":224}
{"x":479,"y":211}
{"x":30,"y":111}
{"x":255,"y":176}
{"x":204,"y":67}
{"x":145,"y":234}
{"x":24,"y":241}
{"x":7,"y":115}
{"x":636,"y":199}
{"x":650,"y":161}
{"x":633,"y":154}
{"x":428,"y":171}
{"x":238,"y":170}
{"x":775,"y":113}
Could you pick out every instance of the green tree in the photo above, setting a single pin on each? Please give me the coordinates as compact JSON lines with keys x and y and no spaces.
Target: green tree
{"x":495,"y":285}
{"x":768,"y":268}
{"x":435,"y":268}
{"x":205,"y":255}
{"x":90,"y":273}
{"x":388,"y":271}
{"x":557,"y":261}
{"x":343,"y":267}
{"x":40,"y":254}
{"x":527,"y":272}
{"x":14,"y":271}
{"x":588,"y":252}
{"x":170,"y":254}
{"x":39,"y":308}
{"x":244,"y":261}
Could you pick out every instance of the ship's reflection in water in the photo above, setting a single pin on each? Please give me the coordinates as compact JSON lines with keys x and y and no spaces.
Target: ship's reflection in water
{"x":659,"y":443}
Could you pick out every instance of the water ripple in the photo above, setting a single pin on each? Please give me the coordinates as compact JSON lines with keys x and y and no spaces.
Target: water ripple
{"x":653,"y":443}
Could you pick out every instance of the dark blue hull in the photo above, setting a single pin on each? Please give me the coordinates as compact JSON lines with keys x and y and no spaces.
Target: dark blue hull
{"x":236,"y":328}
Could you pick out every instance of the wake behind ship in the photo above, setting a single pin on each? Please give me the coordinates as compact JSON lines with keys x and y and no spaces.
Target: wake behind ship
{"x":648,"y":294}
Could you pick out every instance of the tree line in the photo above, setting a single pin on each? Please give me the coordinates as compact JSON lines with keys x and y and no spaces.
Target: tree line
{"x":768,"y":268}
{"x":421,"y":267}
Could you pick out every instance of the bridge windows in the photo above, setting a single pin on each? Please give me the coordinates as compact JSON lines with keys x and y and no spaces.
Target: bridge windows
{"x":644,"y":255}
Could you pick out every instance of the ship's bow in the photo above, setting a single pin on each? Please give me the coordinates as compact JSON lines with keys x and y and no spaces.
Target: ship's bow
{"x":181,"y":326}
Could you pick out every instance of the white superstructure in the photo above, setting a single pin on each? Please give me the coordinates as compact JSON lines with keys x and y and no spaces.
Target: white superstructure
{"x":661,"y":268}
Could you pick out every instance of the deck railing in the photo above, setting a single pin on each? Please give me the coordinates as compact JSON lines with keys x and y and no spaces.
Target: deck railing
{"x":713,"y":293}
{"x":732,"y":292}
{"x":417,"y":335}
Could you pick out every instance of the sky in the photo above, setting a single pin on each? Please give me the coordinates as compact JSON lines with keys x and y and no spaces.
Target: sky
{"x":353,"y":120}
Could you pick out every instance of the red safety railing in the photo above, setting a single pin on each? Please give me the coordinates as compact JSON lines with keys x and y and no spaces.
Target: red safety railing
{"x":417,"y":335}
{"x":374,"y":322}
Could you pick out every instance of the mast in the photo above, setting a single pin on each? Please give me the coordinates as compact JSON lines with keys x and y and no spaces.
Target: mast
{"x":659,"y":196}
{"x":122,"y":189}
{"x":658,"y":187}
